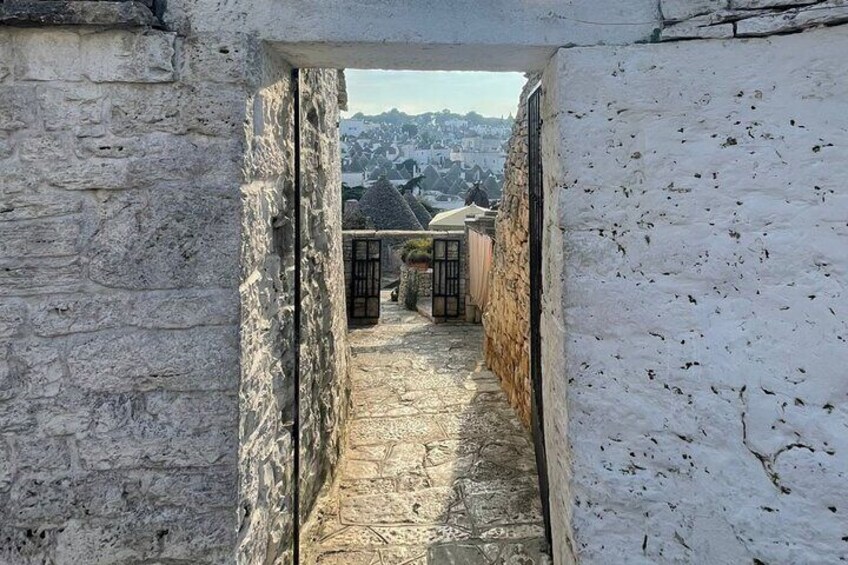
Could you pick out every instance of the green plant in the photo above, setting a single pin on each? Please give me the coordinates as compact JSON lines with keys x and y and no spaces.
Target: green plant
{"x":420,"y":244}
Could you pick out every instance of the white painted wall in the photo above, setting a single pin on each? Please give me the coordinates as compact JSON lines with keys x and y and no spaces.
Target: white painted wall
{"x":697,"y":255}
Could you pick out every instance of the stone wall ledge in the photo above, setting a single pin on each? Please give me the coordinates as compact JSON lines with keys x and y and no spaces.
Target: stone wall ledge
{"x":122,"y":13}
{"x":412,"y":234}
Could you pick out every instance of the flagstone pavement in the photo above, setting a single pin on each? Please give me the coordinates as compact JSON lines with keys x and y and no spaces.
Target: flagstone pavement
{"x":437,"y":469}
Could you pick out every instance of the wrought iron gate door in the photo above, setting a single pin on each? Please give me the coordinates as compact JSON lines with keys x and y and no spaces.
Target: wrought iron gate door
{"x":446,"y":277}
{"x":536,"y":200}
{"x":364,"y":303}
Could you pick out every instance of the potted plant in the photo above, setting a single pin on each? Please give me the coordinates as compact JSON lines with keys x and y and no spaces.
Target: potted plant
{"x":418,"y":253}
{"x":419,"y":259}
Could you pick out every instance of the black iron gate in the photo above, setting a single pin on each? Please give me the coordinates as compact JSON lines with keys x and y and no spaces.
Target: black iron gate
{"x":446,"y":277}
{"x":536,"y":197}
{"x":364,"y":305}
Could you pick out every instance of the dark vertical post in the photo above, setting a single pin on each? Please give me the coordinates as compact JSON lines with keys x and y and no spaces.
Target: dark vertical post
{"x":295,"y":79}
{"x":536,"y":205}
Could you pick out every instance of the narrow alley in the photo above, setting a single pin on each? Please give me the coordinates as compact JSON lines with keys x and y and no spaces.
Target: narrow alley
{"x":437,"y":469}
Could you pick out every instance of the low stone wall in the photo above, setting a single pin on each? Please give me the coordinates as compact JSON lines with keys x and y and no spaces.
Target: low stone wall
{"x":507,"y":317}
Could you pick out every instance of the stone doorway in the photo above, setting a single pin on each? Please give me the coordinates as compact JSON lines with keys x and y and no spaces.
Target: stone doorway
{"x":437,"y":466}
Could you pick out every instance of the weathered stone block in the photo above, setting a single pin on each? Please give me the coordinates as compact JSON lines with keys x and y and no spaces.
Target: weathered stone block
{"x":79,"y":107}
{"x":180,"y":360}
{"x":203,"y":449}
{"x":179,"y":309}
{"x":6,"y":59}
{"x":48,"y":56}
{"x":677,"y":10}
{"x":17,"y":110}
{"x":35,"y":276}
{"x":201,"y":159}
{"x":757,"y":4}
{"x":13,"y":314}
{"x":90,"y":174}
{"x":167,"y":239}
{"x":39,"y":238}
{"x":27,"y":203}
{"x":826,"y":13}
{"x":27,"y":545}
{"x":44,"y":149}
{"x":123,"y":56}
{"x":38,"y":368}
{"x":206,"y":109}
{"x":118,"y":13}
{"x":697,"y":28}
{"x":218,"y":57}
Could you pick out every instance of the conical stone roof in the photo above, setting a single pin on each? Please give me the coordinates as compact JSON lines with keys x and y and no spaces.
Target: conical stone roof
{"x":387,"y":209}
{"x":418,"y":209}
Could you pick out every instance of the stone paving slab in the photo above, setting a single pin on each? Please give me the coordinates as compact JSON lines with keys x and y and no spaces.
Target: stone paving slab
{"x":437,"y":469}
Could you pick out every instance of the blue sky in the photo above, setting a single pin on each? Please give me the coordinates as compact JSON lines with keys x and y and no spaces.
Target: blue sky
{"x":415,"y":92}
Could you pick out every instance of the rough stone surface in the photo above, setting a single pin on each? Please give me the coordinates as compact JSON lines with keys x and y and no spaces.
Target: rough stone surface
{"x":119,"y":311}
{"x":507,"y":316}
{"x":145,"y":403}
{"x":117,"y":13}
{"x":695,"y":246}
{"x":711,"y":19}
{"x":267,"y":386}
{"x":324,"y":362}
{"x":437,"y":468}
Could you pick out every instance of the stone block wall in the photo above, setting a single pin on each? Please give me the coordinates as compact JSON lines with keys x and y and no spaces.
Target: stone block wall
{"x":507,"y":317}
{"x":119,"y":309}
{"x":266,"y":395}
{"x":724,"y":19}
{"x":324,"y":360}
{"x":146,"y":264}
{"x":694,"y":281}
{"x":266,"y":479}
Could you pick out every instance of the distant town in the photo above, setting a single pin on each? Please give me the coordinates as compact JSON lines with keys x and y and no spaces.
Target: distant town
{"x":436,"y":156}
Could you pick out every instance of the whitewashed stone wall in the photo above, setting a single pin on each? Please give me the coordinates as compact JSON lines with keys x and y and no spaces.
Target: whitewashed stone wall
{"x":696,"y":250}
{"x":119,"y":253}
{"x":144,"y":415}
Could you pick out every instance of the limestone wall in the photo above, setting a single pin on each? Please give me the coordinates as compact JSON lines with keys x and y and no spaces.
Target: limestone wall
{"x":695,"y":258}
{"x":120,"y":160}
{"x":146,"y":263}
{"x":266,"y":400}
{"x":507,"y":316}
{"x":721,"y":19}
{"x":324,"y":359}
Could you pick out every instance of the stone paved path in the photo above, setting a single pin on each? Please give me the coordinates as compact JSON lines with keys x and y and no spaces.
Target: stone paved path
{"x":437,"y":470}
